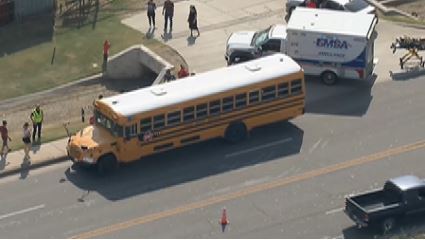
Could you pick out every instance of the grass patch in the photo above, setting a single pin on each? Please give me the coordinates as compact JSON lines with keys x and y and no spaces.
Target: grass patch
{"x":78,"y":43}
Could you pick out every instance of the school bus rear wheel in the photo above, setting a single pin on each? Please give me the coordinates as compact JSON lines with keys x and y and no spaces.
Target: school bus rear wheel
{"x":107,"y":164}
{"x":236,"y":132}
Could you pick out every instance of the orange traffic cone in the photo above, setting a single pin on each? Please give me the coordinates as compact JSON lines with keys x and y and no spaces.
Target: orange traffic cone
{"x":224,"y":221}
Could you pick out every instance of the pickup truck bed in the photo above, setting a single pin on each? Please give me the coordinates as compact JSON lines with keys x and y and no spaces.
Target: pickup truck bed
{"x":384,"y":207}
{"x":375,"y":200}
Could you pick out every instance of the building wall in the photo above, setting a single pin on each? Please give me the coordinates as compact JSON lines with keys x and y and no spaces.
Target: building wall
{"x":25,"y":8}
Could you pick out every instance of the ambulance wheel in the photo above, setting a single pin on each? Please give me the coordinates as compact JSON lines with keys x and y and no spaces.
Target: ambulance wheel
{"x":106,"y":164}
{"x":236,"y":132}
{"x":329,"y":78}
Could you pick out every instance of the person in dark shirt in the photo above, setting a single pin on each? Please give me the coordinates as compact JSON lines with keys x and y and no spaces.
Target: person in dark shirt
{"x":168,"y":77}
{"x":151,"y":13}
{"x":5,"y":138}
{"x":193,"y":20}
{"x":168,"y":12}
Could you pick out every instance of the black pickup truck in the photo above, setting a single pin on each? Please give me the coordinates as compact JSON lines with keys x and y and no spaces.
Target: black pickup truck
{"x":383,"y":208}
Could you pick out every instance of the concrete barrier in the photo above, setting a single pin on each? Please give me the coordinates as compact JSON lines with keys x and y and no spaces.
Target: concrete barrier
{"x":136,"y":61}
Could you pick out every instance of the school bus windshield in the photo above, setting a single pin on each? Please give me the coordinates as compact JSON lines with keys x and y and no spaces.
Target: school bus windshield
{"x":108,"y":124}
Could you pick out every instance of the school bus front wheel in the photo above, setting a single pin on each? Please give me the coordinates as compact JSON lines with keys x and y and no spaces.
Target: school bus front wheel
{"x":107,"y":164}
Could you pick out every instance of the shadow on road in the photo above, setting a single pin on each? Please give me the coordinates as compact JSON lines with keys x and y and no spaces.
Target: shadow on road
{"x":191,"y":163}
{"x":347,"y":97}
{"x":407,"y":228}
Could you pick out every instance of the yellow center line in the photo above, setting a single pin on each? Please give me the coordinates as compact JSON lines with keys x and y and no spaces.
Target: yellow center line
{"x":252,"y":189}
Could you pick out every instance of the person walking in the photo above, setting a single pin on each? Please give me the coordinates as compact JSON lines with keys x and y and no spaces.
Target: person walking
{"x":5,"y":138}
{"x":37,"y":118}
{"x":151,"y":13}
{"x":183,"y":72}
{"x":168,"y":13}
{"x":193,"y":20}
{"x":106,"y":47}
{"x":26,"y":138}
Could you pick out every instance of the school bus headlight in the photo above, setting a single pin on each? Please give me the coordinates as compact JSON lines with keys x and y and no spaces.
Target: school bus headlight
{"x":88,"y":159}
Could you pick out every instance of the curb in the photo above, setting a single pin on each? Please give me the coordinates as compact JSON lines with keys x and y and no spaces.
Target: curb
{"x":406,"y":75}
{"x":51,"y":161}
{"x":85,"y":80}
{"x":410,"y":25}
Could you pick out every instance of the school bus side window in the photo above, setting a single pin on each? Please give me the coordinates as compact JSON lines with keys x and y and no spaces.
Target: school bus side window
{"x":283,"y":90}
{"x":201,"y":111}
{"x":240,"y":100}
{"x":188,"y":114}
{"x":117,"y":130}
{"x":269,"y":93}
{"x":228,"y":104}
{"x":131,"y":131}
{"x":215,"y":107}
{"x":145,"y":125}
{"x":173,"y":118}
{"x":296,"y":87}
{"x":159,"y":121}
{"x":254,"y":97}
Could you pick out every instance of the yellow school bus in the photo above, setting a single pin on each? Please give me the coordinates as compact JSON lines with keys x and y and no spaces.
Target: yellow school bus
{"x":227,"y":102}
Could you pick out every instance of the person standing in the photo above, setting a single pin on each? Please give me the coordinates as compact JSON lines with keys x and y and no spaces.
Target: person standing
{"x":183,"y":72}
{"x":37,"y":118}
{"x":168,"y":12}
{"x":5,"y":138}
{"x":106,"y":47}
{"x":26,"y":138}
{"x":168,"y":77}
{"x":151,"y":13}
{"x":193,"y":20}
{"x":311,"y":4}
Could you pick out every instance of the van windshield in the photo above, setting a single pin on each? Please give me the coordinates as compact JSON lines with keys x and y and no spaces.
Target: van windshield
{"x":356,"y":5}
{"x":108,"y":124}
{"x":260,"y":37}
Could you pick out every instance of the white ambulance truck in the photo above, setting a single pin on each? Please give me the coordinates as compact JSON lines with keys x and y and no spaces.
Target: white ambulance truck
{"x":326,"y":43}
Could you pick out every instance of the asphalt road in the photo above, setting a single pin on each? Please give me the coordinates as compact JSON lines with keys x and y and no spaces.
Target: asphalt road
{"x":287,"y":181}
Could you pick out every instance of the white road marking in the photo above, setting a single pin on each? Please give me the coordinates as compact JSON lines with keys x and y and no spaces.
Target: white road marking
{"x":22,"y":211}
{"x":334,"y":211}
{"x":259,"y":147}
{"x":314,"y":146}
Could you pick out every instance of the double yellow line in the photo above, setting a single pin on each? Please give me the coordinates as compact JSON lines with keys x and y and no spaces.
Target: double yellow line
{"x":252,"y":189}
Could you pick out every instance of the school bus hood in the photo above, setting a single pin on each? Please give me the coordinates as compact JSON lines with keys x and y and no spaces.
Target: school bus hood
{"x":92,"y":136}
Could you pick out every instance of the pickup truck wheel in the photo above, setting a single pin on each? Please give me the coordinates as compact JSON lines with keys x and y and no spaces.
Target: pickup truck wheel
{"x":387,"y":225}
{"x":236,"y":132}
{"x":329,"y":78}
{"x":106,"y":164}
